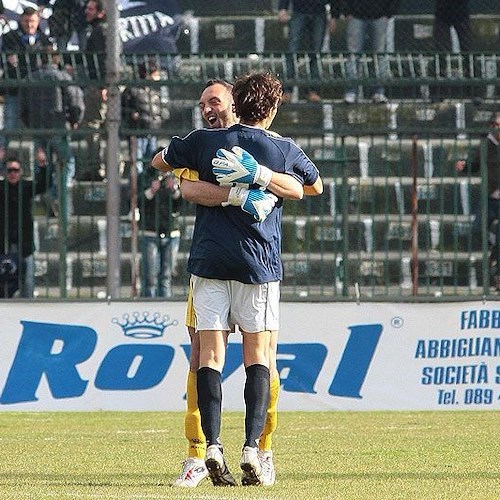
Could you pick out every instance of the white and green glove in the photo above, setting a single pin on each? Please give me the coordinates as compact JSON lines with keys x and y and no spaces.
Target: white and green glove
{"x":252,"y":201}
{"x":238,"y":167}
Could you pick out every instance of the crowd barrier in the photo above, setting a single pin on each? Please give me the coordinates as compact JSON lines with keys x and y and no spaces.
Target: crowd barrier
{"x":134,"y":356}
{"x":395,"y":220}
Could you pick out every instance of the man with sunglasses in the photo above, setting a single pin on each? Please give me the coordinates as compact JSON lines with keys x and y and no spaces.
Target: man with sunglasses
{"x":16,"y":227}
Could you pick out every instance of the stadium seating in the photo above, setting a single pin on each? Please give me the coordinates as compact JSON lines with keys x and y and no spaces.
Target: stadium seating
{"x":263,"y":33}
{"x":360,"y":229}
{"x":376,"y":231}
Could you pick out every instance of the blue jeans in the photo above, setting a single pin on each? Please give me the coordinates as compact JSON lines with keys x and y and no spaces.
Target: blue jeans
{"x":308,"y":27}
{"x":11,"y":114}
{"x":357,"y":30}
{"x":492,"y":215}
{"x":28,"y":283}
{"x":145,"y":149}
{"x":59,"y":147}
{"x":159,"y":259}
{"x":26,"y":275}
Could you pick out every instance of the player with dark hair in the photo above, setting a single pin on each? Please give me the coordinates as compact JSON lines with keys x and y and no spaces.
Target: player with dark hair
{"x":235,"y":258}
{"x":216,"y":106}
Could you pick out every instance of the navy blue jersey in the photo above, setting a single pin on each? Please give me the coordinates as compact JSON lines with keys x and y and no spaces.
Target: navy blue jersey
{"x":228,"y":243}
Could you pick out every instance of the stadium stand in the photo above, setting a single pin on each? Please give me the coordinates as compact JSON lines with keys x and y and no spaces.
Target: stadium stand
{"x":361,"y":229}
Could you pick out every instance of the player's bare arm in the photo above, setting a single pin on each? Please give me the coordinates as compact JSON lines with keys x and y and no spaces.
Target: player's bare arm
{"x":208,"y":194}
{"x":315,"y":189}
{"x":212,"y":195}
{"x":159,"y":163}
{"x":204,"y":193}
{"x":285,"y":186}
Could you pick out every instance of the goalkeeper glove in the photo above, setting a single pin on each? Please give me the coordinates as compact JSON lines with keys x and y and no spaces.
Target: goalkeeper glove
{"x":253,"y":201}
{"x":240,"y":168}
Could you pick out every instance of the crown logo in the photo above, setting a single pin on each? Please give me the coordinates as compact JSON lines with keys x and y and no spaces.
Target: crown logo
{"x":144,"y":326}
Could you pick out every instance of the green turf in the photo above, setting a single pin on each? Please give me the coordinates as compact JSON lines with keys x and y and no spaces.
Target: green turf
{"x":327,"y":455}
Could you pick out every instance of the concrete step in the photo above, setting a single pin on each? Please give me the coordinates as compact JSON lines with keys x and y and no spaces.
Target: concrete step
{"x":86,"y":236}
{"x":390,"y":195}
{"x":263,"y":33}
{"x":89,"y":271}
{"x":383,"y":268}
{"x":365,"y":234}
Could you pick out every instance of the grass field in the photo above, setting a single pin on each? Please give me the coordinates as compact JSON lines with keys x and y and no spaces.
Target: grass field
{"x":327,"y":455}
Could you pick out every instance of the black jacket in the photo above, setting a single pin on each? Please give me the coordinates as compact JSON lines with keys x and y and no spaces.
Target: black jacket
{"x":363,"y":9}
{"x":51,"y":105}
{"x":147,"y":102}
{"x":160,"y":214}
{"x":452,"y":11}
{"x":304,"y":6}
{"x":67,"y":15}
{"x":96,"y":49}
{"x":492,"y":163}
{"x":16,"y":215}
{"x":28,"y":53}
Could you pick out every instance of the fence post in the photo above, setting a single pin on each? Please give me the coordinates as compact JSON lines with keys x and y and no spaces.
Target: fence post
{"x":133,"y":214}
{"x":483,"y":168}
{"x":113,"y":50}
{"x":414,"y":219}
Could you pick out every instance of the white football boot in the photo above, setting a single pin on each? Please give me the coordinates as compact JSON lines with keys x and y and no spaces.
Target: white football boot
{"x":251,"y":467}
{"x":193,"y":472}
{"x":268,"y":473}
{"x":217,"y":468}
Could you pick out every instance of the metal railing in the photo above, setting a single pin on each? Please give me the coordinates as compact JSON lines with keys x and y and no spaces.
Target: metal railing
{"x":406,"y":68}
{"x":395,"y":221}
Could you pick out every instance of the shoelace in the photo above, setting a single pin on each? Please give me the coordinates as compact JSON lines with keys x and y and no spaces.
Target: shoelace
{"x":185,"y":467}
{"x":266,"y":465}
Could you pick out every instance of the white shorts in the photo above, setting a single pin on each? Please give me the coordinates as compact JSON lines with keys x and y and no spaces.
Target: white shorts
{"x":219,"y":304}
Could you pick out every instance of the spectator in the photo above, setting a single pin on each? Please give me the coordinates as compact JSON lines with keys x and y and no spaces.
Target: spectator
{"x":95,"y":93}
{"x":27,"y":39}
{"x":307,"y":23}
{"x":68,"y":17}
{"x":456,"y":14}
{"x":16,"y":225}
{"x":3,"y":23}
{"x":493,"y":172}
{"x":159,"y":233}
{"x":142,"y":110}
{"x":362,"y":18}
{"x":52,"y":106}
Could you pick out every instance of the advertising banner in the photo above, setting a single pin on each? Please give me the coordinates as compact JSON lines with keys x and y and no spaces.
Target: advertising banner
{"x":331,"y":356}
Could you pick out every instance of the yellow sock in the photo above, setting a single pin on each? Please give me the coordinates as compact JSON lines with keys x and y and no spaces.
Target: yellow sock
{"x":265,"y":440}
{"x":192,"y":421}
